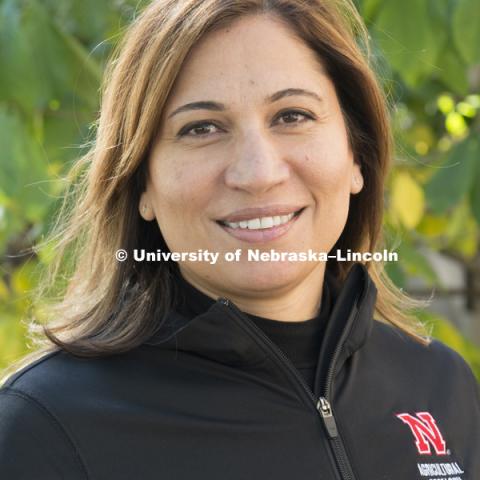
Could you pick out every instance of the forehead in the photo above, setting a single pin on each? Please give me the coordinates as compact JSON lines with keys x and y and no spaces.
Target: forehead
{"x":256,"y":54}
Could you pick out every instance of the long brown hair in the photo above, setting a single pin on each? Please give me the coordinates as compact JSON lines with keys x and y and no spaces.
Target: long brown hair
{"x":110,"y":306}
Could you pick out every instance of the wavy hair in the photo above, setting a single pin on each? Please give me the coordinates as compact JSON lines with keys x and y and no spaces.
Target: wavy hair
{"x":109,"y":307}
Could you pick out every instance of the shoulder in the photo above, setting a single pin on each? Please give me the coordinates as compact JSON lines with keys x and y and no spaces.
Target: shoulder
{"x":42,"y":404}
{"x":69,"y":385}
{"x":58,"y":385}
{"x":34,"y":442}
{"x":50,"y":375}
{"x":435,"y":363}
{"x":395,"y":340}
{"x":59,"y":375}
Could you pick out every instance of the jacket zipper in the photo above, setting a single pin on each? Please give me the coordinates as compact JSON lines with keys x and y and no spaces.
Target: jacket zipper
{"x":322,"y":404}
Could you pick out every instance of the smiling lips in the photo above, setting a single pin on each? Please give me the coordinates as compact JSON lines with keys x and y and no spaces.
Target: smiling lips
{"x":260,"y":224}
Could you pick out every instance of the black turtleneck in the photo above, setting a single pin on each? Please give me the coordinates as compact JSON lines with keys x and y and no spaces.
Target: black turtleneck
{"x":299,"y":340}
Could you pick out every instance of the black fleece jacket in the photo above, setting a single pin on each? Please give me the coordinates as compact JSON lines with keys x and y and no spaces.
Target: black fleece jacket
{"x":299,"y":340}
{"x":214,"y":398}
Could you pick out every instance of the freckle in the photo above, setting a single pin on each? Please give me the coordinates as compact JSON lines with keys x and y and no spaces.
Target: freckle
{"x":252,"y":82}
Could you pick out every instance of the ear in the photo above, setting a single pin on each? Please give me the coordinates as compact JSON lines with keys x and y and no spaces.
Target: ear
{"x":357,"y":179}
{"x":145,"y":208}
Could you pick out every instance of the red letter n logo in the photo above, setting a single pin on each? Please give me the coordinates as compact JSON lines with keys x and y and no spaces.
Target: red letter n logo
{"x":425,"y":431}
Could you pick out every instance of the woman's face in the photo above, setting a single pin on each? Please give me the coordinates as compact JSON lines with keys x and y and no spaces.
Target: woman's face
{"x":252,"y":122}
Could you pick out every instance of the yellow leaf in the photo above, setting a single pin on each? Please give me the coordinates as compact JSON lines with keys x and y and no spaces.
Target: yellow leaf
{"x":456,"y":125}
{"x":445,"y":103}
{"x":22,"y":278}
{"x":463,"y":231}
{"x":4,"y":292}
{"x":408,"y":199}
{"x":433,"y":225}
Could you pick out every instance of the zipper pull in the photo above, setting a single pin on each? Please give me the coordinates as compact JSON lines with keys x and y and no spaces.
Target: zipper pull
{"x":224,"y":300}
{"x":323,"y":406}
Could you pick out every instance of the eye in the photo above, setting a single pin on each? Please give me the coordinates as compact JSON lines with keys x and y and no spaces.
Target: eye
{"x":290,"y":117}
{"x":199,"y":129}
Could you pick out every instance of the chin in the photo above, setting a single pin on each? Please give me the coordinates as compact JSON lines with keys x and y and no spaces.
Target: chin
{"x":265,"y":276}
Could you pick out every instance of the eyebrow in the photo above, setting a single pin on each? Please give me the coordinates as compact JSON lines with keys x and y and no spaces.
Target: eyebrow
{"x":219,"y":107}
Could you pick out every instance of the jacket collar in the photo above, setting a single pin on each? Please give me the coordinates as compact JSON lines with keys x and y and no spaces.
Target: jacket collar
{"x":225,"y":334}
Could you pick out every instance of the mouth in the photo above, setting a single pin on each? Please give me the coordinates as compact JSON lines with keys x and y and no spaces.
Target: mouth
{"x":261,"y":223}
{"x":261,"y":229}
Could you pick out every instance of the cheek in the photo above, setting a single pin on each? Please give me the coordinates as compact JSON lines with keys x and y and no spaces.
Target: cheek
{"x":327,"y":171}
{"x":177,"y":186}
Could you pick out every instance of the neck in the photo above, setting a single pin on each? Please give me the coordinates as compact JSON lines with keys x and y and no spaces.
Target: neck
{"x":300,"y":302}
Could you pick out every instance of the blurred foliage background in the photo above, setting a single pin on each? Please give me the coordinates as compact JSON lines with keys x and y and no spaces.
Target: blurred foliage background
{"x":426,"y":52}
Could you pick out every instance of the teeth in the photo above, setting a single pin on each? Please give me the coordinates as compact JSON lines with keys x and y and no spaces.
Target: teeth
{"x":267,"y":222}
{"x":254,"y":224}
{"x":263,"y":222}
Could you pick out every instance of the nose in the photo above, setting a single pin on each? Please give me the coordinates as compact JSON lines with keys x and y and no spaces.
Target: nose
{"x":257,"y":164}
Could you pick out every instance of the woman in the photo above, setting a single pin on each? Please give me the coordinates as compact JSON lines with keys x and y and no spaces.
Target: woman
{"x":237,"y":126}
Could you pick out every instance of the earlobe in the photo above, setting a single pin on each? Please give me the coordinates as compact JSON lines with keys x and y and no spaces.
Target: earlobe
{"x":145,"y":209}
{"x":357,"y":180}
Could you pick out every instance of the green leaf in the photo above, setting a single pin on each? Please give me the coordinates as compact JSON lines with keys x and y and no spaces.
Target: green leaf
{"x":370,"y":8}
{"x":95,"y":27}
{"x":461,"y":230}
{"x":454,"y":177}
{"x":43,"y":63}
{"x":466,"y":31}
{"x":23,"y":168}
{"x":406,"y":33}
{"x":413,"y":262}
{"x":61,"y":59}
{"x":475,"y":193}
{"x":78,"y":54}
{"x":20,"y":79}
{"x":63,"y":136}
{"x":452,"y":71}
{"x":396,"y":274}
